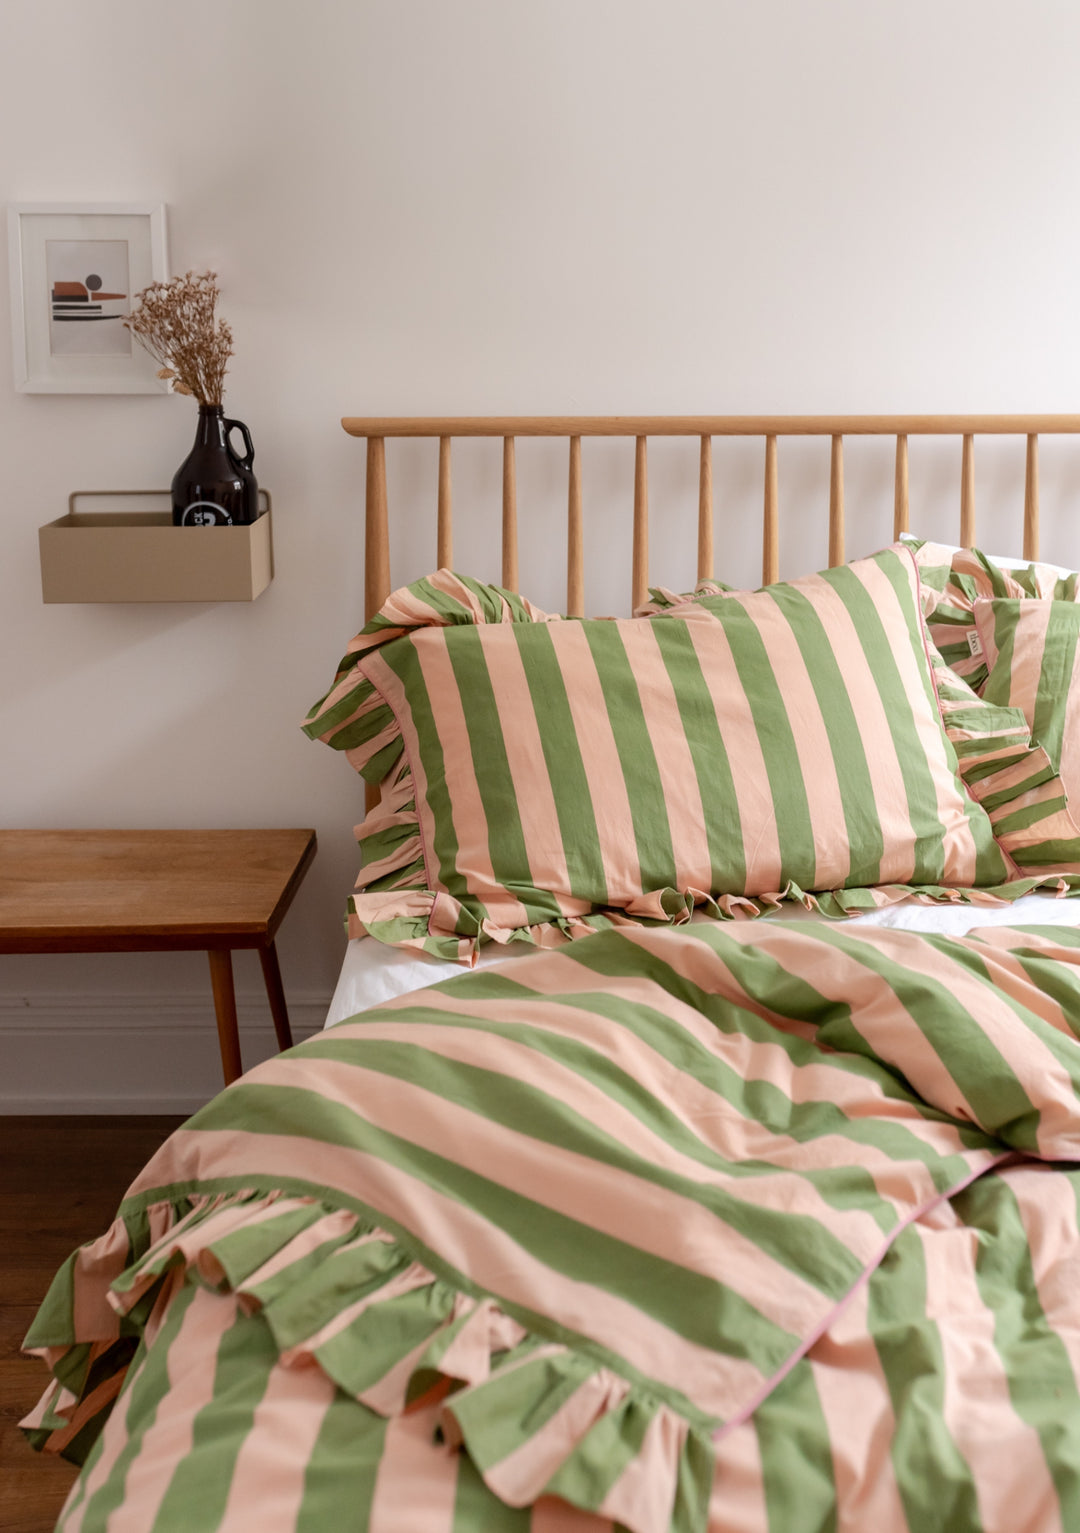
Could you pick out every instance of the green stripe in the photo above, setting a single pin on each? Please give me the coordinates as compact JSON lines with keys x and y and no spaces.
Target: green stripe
{"x":612,"y":1444}
{"x":1041,"y":1383}
{"x":478,"y":1510}
{"x":767,"y":702}
{"x":562,"y":757}
{"x":491,"y":768}
{"x":145,"y":1389}
{"x":633,"y":742}
{"x":796,"y":1456}
{"x":847,"y":1187}
{"x":1057,"y":661}
{"x":1004,"y":639}
{"x":199,"y":1488}
{"x":864,"y":834}
{"x":962,"y":1043}
{"x":914,"y":764}
{"x":797,"y":1241}
{"x":786,"y":995}
{"x":1055,"y":678}
{"x":715,"y":782}
{"x":933,"y":1478}
{"x":519,"y":1399}
{"x":401,"y":658}
{"x":342,"y":1468}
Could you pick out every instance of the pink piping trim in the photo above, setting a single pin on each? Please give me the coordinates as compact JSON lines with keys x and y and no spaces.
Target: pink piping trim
{"x":864,"y":1277}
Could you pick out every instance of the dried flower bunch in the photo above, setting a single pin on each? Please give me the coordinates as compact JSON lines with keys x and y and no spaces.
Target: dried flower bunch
{"x":175,"y":322}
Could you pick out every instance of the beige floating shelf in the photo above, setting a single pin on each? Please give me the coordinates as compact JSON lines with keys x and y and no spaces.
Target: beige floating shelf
{"x":139,"y":556}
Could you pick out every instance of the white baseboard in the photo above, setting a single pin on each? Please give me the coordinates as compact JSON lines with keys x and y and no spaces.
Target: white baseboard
{"x":129,"y":1053}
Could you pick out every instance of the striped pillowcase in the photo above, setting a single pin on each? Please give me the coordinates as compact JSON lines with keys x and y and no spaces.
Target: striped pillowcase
{"x":544,"y":777}
{"x":1012,"y":776}
{"x":953,"y":579}
{"x":1031,"y":651}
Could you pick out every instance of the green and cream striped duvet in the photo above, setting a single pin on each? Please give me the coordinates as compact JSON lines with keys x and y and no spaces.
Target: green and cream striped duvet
{"x":754,"y":1231}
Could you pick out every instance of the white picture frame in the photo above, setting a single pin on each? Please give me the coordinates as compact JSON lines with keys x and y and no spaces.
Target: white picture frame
{"x":68,"y":335}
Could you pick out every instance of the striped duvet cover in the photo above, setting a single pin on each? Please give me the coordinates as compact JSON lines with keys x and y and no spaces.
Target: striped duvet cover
{"x":695,"y":1228}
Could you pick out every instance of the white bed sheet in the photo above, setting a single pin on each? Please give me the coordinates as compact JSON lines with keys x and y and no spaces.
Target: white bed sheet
{"x":373,"y":973}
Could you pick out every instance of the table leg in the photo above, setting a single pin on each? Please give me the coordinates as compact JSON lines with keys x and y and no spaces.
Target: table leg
{"x":275,"y":994}
{"x":221,"y":977}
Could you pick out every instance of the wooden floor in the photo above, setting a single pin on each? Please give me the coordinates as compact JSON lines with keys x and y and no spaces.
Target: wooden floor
{"x":60,"y":1182}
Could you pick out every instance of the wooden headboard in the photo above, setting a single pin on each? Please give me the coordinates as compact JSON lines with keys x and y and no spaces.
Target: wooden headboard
{"x":702,"y":427}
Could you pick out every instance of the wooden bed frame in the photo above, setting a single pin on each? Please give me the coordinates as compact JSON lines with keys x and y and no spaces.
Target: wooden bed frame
{"x":769,"y":428}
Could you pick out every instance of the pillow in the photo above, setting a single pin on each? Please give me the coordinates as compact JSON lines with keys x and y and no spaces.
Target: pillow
{"x":661,"y":599}
{"x":543,"y":777}
{"x":953,"y":579}
{"x":1012,"y":776}
{"x":1031,"y":650}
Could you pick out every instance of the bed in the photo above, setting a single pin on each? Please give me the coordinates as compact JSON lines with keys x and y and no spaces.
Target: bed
{"x":694,"y":1140}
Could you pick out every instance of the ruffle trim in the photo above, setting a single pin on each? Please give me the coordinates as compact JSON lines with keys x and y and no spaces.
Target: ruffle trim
{"x":535,"y":1416}
{"x":351,"y":717}
{"x":1010,"y":776}
{"x":440,"y":925}
{"x":952,"y":579}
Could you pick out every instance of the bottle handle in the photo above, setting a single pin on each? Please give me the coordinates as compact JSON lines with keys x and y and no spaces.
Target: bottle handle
{"x":231,"y":426}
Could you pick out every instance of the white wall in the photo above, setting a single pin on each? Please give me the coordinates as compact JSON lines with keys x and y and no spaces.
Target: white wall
{"x":491,"y":206}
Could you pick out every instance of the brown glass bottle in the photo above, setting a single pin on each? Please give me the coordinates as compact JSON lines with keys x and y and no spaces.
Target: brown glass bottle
{"x":213,"y":487}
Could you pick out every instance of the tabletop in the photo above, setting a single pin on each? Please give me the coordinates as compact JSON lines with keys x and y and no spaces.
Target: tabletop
{"x":129,"y":890}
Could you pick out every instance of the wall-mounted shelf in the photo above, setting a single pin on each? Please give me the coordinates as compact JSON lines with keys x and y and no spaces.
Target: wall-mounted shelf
{"x":139,"y":556}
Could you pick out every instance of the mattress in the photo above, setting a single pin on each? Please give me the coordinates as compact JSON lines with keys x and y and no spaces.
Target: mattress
{"x":373,"y":973}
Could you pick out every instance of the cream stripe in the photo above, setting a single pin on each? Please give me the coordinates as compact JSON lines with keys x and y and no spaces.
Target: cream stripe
{"x":473,"y":860}
{"x":1047,"y":1204}
{"x":644,"y":1494}
{"x":339,"y":1223}
{"x":882,"y":764}
{"x":696,"y":960}
{"x":412,"y":1459}
{"x":600,"y":760}
{"x":520,"y":1477}
{"x":782,"y":1191}
{"x":1003,"y":1453}
{"x":855,"y":1401}
{"x":750,"y":778}
{"x":723,"y":1128}
{"x":817,"y":767}
{"x":957,"y":840}
{"x":1029,"y":646}
{"x":675,"y":764}
{"x":114,"y":1439}
{"x":168,"y":1439}
{"x":737,"y":1502}
{"x":540,"y":828}
{"x":983,"y":613}
{"x":268,"y":1483}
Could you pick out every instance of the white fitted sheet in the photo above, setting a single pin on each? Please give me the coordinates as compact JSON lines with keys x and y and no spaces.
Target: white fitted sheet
{"x":373,"y":973}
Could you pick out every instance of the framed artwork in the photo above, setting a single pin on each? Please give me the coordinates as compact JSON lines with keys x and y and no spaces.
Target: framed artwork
{"x":75,"y":270}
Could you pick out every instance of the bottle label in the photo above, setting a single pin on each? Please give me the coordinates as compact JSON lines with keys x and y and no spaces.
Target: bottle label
{"x":205,"y":513}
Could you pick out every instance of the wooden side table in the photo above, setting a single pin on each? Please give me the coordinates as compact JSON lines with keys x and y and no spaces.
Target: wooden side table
{"x":138,"y":891}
